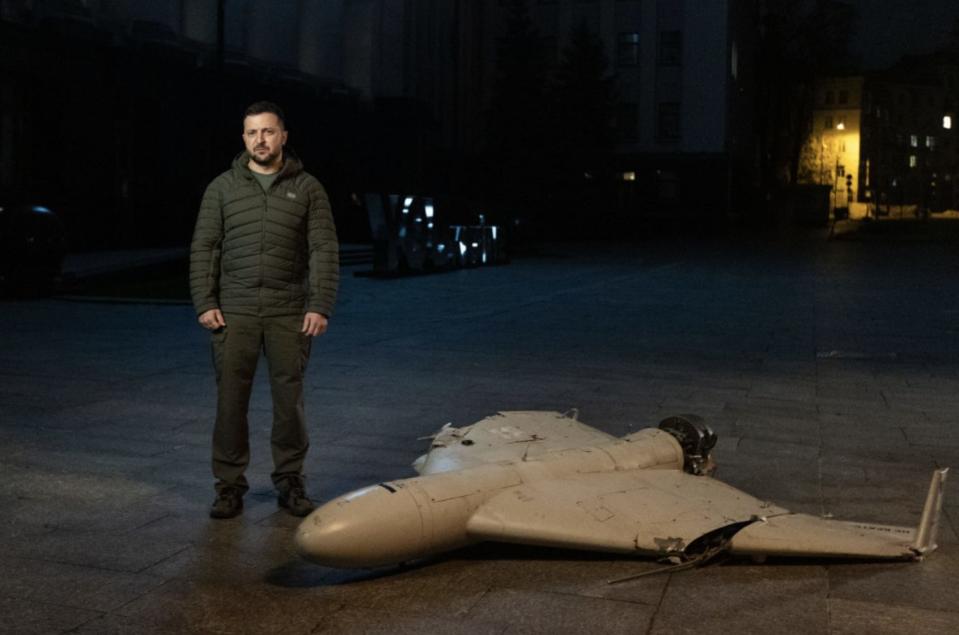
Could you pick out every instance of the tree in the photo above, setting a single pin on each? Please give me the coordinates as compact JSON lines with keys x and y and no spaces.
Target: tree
{"x":582,"y":104}
{"x":580,"y":140}
{"x":516,"y":121}
{"x":802,"y":41}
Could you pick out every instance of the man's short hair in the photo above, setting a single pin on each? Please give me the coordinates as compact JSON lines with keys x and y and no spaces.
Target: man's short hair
{"x":260,"y":107}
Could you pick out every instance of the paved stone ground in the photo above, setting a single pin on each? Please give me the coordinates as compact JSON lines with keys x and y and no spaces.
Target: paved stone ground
{"x":829,"y":369}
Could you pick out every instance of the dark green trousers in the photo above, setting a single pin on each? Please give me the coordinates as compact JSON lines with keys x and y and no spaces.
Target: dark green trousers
{"x":236,"y":351}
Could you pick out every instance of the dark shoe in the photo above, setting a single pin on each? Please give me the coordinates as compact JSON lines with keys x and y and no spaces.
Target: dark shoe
{"x":295,"y":501}
{"x":228,"y":503}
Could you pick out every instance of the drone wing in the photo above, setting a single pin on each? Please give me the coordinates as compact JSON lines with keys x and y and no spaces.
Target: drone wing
{"x":668,"y":512}
{"x":804,"y":535}
{"x":506,"y":436}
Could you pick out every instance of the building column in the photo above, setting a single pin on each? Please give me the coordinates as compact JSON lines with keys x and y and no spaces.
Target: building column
{"x":198,"y":19}
{"x":321,"y":38}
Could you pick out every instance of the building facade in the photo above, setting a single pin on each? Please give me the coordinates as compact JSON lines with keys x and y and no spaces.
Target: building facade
{"x":910,"y":154}
{"x":407,"y":83}
{"x":832,"y":153}
{"x":887,"y":140}
{"x":685,"y":73}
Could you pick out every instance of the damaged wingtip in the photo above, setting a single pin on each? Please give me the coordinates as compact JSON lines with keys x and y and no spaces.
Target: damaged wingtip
{"x":928,"y":530}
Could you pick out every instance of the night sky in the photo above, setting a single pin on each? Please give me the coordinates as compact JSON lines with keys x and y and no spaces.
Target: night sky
{"x":888,"y":29}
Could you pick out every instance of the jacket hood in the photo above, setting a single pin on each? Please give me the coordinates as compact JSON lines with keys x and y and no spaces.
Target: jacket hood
{"x":291,"y":164}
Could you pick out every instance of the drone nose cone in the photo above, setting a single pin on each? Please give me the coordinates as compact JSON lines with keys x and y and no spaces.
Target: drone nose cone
{"x":370,"y":527}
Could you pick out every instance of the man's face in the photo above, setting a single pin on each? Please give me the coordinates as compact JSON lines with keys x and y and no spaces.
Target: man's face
{"x":264,"y":138}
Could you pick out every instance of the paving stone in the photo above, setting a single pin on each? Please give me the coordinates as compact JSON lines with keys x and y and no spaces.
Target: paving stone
{"x":221,"y":606}
{"x":558,"y":571}
{"x":363,"y":621}
{"x":110,"y":624}
{"x":917,"y":585}
{"x":70,"y":585}
{"x":742,"y":598}
{"x":859,"y":618}
{"x":122,"y":554}
{"x":32,"y":616}
{"x":538,"y":612}
{"x":105,"y":439}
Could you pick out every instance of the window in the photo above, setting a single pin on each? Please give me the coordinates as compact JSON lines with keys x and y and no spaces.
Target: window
{"x":627,"y":121}
{"x":914,"y":140}
{"x":551,"y":49}
{"x":930,"y":142}
{"x":627,"y":49}
{"x":830,"y":97}
{"x":912,"y":160}
{"x":947,"y":122}
{"x":668,"y":185}
{"x":827,"y":123}
{"x":843,"y":96}
{"x":670,"y":48}
{"x":667,"y":122}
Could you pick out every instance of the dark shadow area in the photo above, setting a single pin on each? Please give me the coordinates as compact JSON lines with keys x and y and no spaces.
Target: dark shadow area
{"x":303,"y":574}
{"x":166,"y":282}
{"x":894,"y":230}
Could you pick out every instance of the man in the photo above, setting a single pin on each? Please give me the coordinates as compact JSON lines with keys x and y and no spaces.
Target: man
{"x":263,"y":275}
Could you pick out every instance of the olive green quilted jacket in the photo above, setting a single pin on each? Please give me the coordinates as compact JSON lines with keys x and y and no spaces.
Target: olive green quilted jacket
{"x":266,"y":254}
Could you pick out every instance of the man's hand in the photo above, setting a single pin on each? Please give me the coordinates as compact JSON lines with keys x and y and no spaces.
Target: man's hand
{"x":314,"y":324}
{"x":212,"y":319}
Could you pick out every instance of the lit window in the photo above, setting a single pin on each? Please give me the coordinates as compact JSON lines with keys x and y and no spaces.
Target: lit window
{"x":930,"y":142}
{"x":914,"y":141}
{"x":912,"y":160}
{"x":947,"y":122}
{"x":629,"y":176}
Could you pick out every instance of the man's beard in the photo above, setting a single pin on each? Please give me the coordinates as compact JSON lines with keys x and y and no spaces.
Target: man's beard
{"x":265,"y":160}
